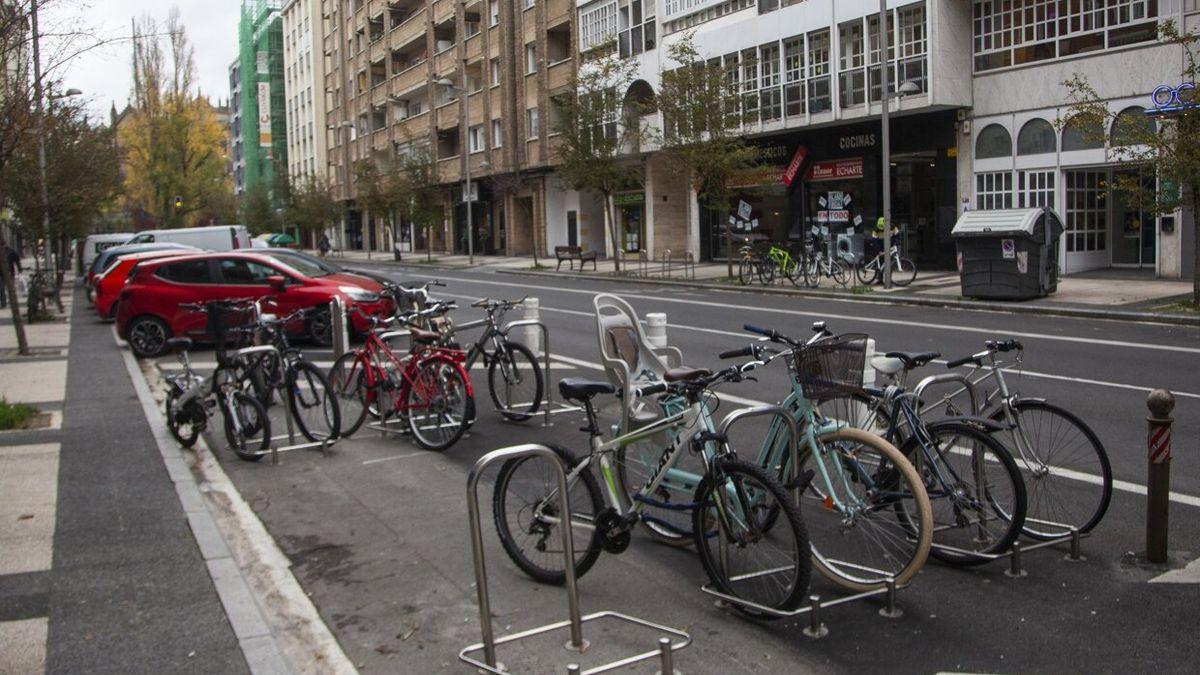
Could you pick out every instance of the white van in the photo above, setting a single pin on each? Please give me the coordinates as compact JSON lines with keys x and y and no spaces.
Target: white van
{"x":216,"y":238}
{"x":95,"y":243}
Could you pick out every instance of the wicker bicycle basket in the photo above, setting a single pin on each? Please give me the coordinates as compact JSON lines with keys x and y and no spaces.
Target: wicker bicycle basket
{"x":833,"y":367}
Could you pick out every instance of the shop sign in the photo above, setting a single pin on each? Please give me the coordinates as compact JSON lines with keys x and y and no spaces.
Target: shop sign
{"x":629,"y":199}
{"x":744,"y":210}
{"x":1168,"y":99}
{"x":793,"y":167}
{"x":856,"y":141}
{"x":838,"y":216}
{"x":837,"y":169}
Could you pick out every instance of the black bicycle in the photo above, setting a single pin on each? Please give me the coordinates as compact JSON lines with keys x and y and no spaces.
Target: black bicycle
{"x":514,"y":377}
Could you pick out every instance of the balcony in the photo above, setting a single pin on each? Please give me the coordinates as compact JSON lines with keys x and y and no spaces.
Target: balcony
{"x":446,"y":64}
{"x":410,"y":30}
{"x":400,"y":11}
{"x":559,"y":76}
{"x":558,"y":11}
{"x":413,"y":127}
{"x":449,"y":169}
{"x":410,"y":78}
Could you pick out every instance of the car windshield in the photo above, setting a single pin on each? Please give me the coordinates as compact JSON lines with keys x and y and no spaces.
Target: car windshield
{"x":301,"y":264}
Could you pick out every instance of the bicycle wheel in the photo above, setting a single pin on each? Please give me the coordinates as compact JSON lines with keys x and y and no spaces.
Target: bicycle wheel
{"x":515,"y":382}
{"x":437,"y":404}
{"x":904,"y":272}
{"x":857,"y":542}
{"x":812,"y":272}
{"x":975,"y":491}
{"x":247,"y":427}
{"x":314,"y":405}
{"x":348,"y":381}
{"x":840,"y":272}
{"x":766,"y":566}
{"x":794,"y":272}
{"x":1052,"y":447}
{"x":746,"y":272}
{"x":180,"y":421}
{"x":867,"y":273}
{"x":766,"y":271}
{"x":526,"y":508}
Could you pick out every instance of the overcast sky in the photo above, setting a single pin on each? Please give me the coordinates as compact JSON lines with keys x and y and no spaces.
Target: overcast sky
{"x":104,"y":74}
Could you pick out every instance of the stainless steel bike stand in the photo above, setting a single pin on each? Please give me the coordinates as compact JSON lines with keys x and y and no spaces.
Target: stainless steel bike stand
{"x":574,"y":621}
{"x":1015,"y":554}
{"x":548,"y":407}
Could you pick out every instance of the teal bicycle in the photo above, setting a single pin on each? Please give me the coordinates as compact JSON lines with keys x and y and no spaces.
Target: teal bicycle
{"x":746,"y":527}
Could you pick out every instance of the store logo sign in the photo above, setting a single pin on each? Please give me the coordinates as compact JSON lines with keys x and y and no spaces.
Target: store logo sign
{"x":856,"y":141}
{"x":838,"y":169}
{"x":793,"y":167}
{"x":1173,"y":99}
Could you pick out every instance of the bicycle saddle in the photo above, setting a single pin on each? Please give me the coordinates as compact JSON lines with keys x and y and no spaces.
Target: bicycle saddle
{"x":179,"y":344}
{"x":684,"y":374}
{"x":580,"y":389}
{"x":913,"y":359}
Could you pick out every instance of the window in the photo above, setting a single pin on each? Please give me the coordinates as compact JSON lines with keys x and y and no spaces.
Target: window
{"x":1131,"y":125}
{"x":993,"y":190}
{"x":1035,"y":189}
{"x":246,"y":272}
{"x":1077,"y":134}
{"x":793,"y":68}
{"x":475,"y":139}
{"x":851,"y":78}
{"x":912,"y":48}
{"x":531,"y":58}
{"x":637,"y":28}
{"x":494,"y":12}
{"x":597,"y":26}
{"x":1036,"y":137}
{"x":527,"y":4}
{"x":494,"y":65}
{"x":819,"y":97}
{"x":770,"y":94}
{"x":189,"y":272}
{"x":993,"y":141}
{"x":497,"y":134}
{"x":1087,"y":214}
{"x":531,"y":124}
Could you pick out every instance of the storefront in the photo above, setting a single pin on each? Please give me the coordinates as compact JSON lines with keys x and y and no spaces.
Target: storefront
{"x":631,"y":220}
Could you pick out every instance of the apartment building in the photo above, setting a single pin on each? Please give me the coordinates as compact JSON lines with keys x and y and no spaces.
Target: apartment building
{"x":237,"y":145}
{"x":504,"y":58}
{"x":304,"y":85}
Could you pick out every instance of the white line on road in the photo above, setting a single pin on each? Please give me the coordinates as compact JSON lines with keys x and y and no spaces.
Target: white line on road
{"x":847,"y":317}
{"x":395,"y":457}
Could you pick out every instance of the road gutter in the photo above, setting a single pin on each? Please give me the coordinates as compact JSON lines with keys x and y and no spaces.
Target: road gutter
{"x":277,"y":627}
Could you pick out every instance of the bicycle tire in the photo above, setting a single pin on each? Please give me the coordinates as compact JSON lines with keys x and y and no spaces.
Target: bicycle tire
{"x":1005,"y":493}
{"x":736,"y":584}
{"x":839,"y":273}
{"x":439,"y":383}
{"x":1043,"y":506}
{"x":304,"y":374}
{"x":593,"y":505}
{"x":766,"y":271}
{"x":794,"y":272}
{"x":255,"y":427}
{"x":812,"y":272}
{"x":849,"y":575}
{"x":348,"y":381}
{"x":904,"y":272}
{"x":745,"y":272}
{"x":499,"y":381}
{"x":860,"y":271}
{"x":186,"y":439}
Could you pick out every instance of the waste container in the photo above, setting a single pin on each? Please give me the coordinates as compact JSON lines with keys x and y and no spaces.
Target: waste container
{"x":1008,"y":254}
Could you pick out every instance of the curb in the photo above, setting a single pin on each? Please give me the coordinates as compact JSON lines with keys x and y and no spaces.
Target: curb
{"x":1042,"y":310}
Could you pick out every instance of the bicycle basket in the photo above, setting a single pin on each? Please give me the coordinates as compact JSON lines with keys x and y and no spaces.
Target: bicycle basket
{"x":833,"y":367}
{"x":223,"y":321}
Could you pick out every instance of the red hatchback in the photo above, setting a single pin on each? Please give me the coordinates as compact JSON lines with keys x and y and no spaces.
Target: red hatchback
{"x":107,"y":285}
{"x":148,"y":312}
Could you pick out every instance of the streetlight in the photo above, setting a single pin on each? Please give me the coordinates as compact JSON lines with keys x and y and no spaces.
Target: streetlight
{"x":906,"y":88}
{"x":447,"y":83}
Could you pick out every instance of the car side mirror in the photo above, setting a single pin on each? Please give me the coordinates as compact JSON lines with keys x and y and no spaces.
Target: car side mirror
{"x":277,"y":282}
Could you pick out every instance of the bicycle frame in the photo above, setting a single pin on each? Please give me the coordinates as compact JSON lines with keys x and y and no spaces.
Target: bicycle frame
{"x":376,"y":358}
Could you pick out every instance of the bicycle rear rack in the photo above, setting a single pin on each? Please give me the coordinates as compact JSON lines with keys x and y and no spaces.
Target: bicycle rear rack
{"x":665,"y":647}
{"x":275,"y":450}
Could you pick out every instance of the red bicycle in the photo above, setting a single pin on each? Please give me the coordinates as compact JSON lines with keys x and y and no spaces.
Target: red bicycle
{"x":429,"y":387}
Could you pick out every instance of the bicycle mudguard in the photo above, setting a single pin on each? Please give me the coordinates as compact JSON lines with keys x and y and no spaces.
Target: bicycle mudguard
{"x":984,"y":423}
{"x":1018,"y":400}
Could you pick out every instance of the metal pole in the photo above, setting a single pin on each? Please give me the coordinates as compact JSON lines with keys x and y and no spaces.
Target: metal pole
{"x":815,"y":629}
{"x":1014,"y":570}
{"x":666,"y":659}
{"x":41,"y":134}
{"x":1158,"y":486}
{"x":886,"y":151}
{"x":466,"y":92}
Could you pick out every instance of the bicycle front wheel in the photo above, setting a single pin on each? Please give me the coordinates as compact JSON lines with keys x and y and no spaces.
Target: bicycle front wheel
{"x":767,"y":566}
{"x":904,"y":272}
{"x":515,"y":382}
{"x":1055,"y":450}
{"x":794,"y":272}
{"x":866,"y":272}
{"x":348,"y":381}
{"x":812,"y":272}
{"x":247,"y":427}
{"x":840,"y":272}
{"x":437,"y":404}
{"x":766,"y":271}
{"x":314,"y":405}
{"x":858,"y":542}
{"x":745,"y":272}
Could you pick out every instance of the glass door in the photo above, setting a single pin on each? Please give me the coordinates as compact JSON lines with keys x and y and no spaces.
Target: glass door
{"x":632,"y":235}
{"x":1133,"y":230}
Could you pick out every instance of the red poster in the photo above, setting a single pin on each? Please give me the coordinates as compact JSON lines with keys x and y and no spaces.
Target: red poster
{"x":837,"y":169}
{"x":793,"y":167}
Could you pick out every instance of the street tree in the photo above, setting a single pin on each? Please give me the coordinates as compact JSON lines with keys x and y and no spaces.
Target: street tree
{"x":312,"y":206}
{"x":592,"y":136}
{"x":701,"y":130}
{"x":257,"y":213}
{"x":1163,"y":151}
{"x":423,"y":204}
{"x":383,"y":190}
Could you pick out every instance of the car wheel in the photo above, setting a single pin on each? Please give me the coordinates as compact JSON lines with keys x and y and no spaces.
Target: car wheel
{"x":148,"y":336}
{"x":320,"y":327}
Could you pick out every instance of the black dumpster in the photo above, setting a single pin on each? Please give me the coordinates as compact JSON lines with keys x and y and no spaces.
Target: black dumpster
{"x":1008,"y":254}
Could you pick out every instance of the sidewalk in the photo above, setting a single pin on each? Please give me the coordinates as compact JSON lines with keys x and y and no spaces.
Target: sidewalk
{"x":99,"y":571}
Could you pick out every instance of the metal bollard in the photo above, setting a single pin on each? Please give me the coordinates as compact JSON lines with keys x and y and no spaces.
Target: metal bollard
{"x":572,"y":669}
{"x":1158,"y":486}
{"x":666,"y":659}
{"x":1075,"y":555}
{"x":656,"y":329}
{"x":868,"y":371}
{"x":532,"y":336}
{"x":815,"y":630}
{"x":1014,"y":570}
{"x":339,"y":326}
{"x":890,"y":610}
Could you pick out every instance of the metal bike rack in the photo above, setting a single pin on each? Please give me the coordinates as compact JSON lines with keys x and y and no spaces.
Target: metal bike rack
{"x":547,"y":389}
{"x":387,"y":426}
{"x":955,"y":378}
{"x":664,"y":649}
{"x":290,"y":436}
{"x":816,"y":629}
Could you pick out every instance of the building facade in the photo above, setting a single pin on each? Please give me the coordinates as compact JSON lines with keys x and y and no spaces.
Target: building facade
{"x":257,"y":77}
{"x":237,"y":145}
{"x":304,"y":85}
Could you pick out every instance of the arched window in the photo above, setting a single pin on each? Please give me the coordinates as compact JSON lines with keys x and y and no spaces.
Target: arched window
{"x":1036,"y":137}
{"x":993,"y":141}
{"x":1079,"y":134}
{"x":1131,"y":126}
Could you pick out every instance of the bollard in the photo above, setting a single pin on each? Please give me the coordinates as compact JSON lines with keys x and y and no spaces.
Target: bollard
{"x":572,"y":669}
{"x":1158,"y":485}
{"x":532,"y":336}
{"x":890,"y":610}
{"x":656,"y":329}
{"x":666,"y":659}
{"x":815,"y":630}
{"x":868,"y":371}
{"x":1014,"y":570}
{"x":1075,"y":555}
{"x":339,"y":327}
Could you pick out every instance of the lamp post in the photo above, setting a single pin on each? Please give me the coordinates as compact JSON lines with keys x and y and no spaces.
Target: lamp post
{"x":908,"y":87}
{"x":445,"y":82}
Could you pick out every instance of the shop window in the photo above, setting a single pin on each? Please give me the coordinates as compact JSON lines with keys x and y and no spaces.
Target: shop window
{"x":993,"y":190}
{"x":1131,"y":127}
{"x":1079,"y":135}
{"x":1036,"y":137}
{"x":993,"y":141}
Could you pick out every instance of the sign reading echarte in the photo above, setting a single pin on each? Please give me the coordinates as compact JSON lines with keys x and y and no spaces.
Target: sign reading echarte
{"x":836,"y":169}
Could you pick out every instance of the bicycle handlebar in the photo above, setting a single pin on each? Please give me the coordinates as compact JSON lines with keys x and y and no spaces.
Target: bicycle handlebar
{"x":748,"y":350}
{"x":991,"y":347}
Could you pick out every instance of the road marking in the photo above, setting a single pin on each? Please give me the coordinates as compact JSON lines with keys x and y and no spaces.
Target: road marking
{"x":1187,"y":575}
{"x":848,"y":317}
{"x":395,"y":457}
{"x":1123,"y":485}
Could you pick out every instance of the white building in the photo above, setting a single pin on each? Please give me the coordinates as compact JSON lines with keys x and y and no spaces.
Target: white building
{"x":304,"y":94}
{"x":237,"y":147}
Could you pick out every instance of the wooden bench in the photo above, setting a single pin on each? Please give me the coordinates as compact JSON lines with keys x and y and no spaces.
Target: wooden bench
{"x":570,"y":254}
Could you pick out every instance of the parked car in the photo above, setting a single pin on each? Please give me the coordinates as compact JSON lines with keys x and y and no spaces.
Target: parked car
{"x":107,"y":285}
{"x":213,"y":238}
{"x":148,"y":311}
{"x":95,"y":243}
{"x":301,"y":260}
{"x":106,"y":258}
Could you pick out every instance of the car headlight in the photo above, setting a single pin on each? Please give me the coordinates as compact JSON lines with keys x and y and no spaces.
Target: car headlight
{"x":358,"y":294}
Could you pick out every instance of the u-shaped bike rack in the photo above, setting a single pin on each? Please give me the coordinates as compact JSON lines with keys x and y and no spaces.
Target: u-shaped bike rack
{"x":574,"y":622}
{"x":322,"y":445}
{"x":547,"y":388}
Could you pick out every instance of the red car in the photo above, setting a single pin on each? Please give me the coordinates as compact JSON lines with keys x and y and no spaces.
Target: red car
{"x":148,"y":312}
{"x":107,"y":285}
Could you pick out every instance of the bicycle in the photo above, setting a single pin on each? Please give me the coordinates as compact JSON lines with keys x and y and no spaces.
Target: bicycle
{"x":428,"y":388}
{"x":190,"y":397}
{"x":752,"y":264}
{"x":819,"y":262}
{"x":904,"y":271}
{"x":766,"y":566}
{"x":786,"y":265}
{"x":514,"y":376}
{"x":975,"y":488}
{"x":1059,"y":455}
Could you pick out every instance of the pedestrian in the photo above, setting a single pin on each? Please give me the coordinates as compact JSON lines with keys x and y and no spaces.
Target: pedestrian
{"x":13,"y":259}
{"x":323,"y":245}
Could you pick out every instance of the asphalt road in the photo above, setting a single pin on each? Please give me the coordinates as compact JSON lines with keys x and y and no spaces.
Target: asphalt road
{"x":377,"y":531}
